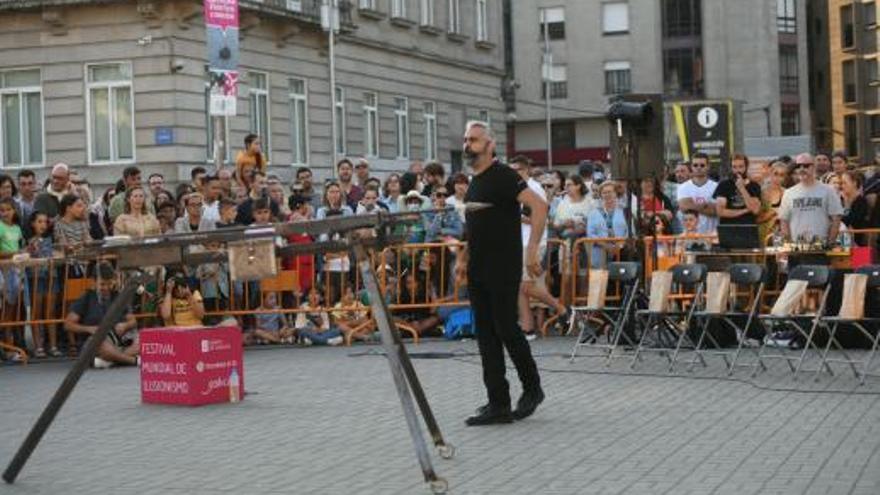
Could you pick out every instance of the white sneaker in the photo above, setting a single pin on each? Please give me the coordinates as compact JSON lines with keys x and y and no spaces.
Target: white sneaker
{"x":306,"y":341}
{"x":335,"y":341}
{"x":530,"y":336}
{"x":102,"y":364}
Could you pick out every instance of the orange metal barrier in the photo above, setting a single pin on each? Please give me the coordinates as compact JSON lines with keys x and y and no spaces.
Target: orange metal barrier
{"x":412,"y":276}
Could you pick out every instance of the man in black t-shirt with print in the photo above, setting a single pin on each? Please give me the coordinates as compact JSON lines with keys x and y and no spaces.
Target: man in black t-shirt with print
{"x":737,"y":198}
{"x":494,"y":269}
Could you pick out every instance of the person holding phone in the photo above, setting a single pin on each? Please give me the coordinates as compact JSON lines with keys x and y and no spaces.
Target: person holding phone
{"x":181,"y":306}
{"x":738,"y":198}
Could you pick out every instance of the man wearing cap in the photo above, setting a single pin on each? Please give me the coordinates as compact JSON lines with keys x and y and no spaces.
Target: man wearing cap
{"x":493,"y":260}
{"x":87,"y":312}
{"x":59,"y":185}
{"x":413,"y":201}
{"x":810,"y":210}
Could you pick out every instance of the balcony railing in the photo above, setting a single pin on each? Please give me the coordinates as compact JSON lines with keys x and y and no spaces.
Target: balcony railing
{"x":307,"y":10}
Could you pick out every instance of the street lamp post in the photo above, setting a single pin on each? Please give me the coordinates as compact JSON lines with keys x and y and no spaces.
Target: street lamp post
{"x":548,"y":69}
{"x":330,"y":22}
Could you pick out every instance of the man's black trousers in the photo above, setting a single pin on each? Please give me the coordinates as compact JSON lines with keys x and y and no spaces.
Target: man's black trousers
{"x":495,"y":315}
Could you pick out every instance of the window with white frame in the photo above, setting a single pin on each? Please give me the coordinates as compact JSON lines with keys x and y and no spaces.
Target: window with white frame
{"x":340,"y":121}
{"x":427,"y":13}
{"x":110,"y":112}
{"x":398,"y":8}
{"x":367,"y":4}
{"x":209,"y":128}
{"x":371,"y":124}
{"x":615,"y":18}
{"x":483,"y":116}
{"x":482,"y":20}
{"x":299,"y":120}
{"x":21,"y":118}
{"x":401,"y":126}
{"x":786,"y":16}
{"x":429,"y":115}
{"x":259,"y":109}
{"x":454,"y":16}
{"x":552,"y":20}
{"x":556,"y":77}
{"x":618,"y":79}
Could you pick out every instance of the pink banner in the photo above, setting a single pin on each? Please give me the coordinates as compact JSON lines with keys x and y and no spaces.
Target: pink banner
{"x":221,"y":13}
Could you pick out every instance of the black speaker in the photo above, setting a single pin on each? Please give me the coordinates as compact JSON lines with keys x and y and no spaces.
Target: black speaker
{"x":641,"y":120}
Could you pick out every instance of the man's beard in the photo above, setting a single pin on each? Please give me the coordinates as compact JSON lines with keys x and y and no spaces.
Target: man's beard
{"x":471,"y":157}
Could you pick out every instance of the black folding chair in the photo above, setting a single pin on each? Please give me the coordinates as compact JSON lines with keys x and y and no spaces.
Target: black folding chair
{"x":627,"y":275}
{"x":863,"y":325}
{"x":668,"y":326}
{"x":742,"y":276}
{"x":817,"y":277}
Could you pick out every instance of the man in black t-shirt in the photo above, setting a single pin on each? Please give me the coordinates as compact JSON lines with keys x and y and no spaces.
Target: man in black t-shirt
{"x":737,"y":198}
{"x":86,"y":313}
{"x":494,"y":270}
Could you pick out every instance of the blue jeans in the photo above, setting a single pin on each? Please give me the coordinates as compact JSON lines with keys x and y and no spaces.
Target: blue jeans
{"x":320,"y":338}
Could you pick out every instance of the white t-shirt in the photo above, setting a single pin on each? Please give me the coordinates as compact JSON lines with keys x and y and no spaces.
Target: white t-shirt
{"x":701,"y":195}
{"x":808,"y":210}
{"x":526,"y":228}
{"x":211,"y":212}
{"x":571,"y":210}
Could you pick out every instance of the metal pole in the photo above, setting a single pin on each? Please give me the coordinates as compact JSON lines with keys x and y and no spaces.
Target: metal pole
{"x":219,"y":141}
{"x":331,"y":20}
{"x":114,"y":313}
{"x":548,"y":68}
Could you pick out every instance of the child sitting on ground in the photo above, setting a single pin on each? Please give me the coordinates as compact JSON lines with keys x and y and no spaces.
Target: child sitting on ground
{"x":351,"y":317}
{"x":272,"y":327}
{"x":181,"y":307}
{"x":313,"y":325}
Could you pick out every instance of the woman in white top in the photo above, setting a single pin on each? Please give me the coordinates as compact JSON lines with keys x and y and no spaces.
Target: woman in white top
{"x":572,"y":213}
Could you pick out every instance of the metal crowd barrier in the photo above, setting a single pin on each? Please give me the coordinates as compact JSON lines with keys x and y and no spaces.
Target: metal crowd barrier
{"x":37,"y":293}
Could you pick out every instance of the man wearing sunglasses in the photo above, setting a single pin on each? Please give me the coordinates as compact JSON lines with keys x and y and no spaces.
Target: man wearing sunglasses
{"x":696,"y":194}
{"x":810,"y":209}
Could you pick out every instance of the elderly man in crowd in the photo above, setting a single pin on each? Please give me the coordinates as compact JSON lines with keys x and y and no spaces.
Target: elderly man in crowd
{"x":59,"y":185}
{"x":810,"y":210}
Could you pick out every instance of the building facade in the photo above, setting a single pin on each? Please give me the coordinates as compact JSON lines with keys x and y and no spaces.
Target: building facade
{"x":751,"y":51}
{"x":101,"y":84}
{"x":853,"y":62}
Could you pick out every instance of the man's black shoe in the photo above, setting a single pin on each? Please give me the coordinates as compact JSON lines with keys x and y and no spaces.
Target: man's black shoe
{"x":527,"y":404}
{"x":490,"y":416}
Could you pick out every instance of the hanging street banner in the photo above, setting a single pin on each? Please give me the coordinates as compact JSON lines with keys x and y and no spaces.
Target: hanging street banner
{"x":705,"y":128}
{"x":221,"y":35}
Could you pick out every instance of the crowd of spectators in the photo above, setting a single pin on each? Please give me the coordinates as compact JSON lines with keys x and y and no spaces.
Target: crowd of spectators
{"x":810,"y":199}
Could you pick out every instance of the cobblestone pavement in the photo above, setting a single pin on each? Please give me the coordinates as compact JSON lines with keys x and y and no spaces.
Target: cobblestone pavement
{"x":327,"y":421}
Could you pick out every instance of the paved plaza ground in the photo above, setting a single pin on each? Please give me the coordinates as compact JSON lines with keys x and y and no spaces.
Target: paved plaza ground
{"x":327,"y":421}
